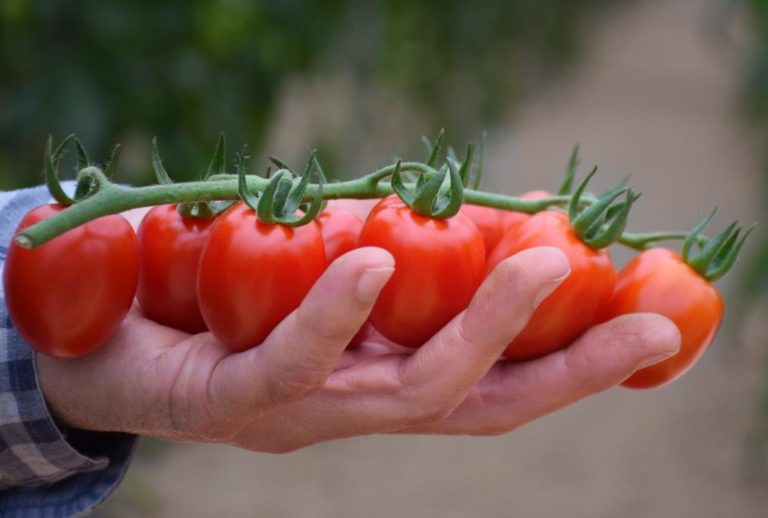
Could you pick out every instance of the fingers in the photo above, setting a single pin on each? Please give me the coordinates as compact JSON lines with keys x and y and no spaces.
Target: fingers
{"x":515,"y":393}
{"x":389,"y":392}
{"x":461,"y":353}
{"x":357,"y":402}
{"x":302,"y":351}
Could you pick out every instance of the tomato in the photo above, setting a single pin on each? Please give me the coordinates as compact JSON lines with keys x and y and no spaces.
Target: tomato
{"x":659,"y":281}
{"x":68,"y":296}
{"x":253,"y":274}
{"x":169,"y":253}
{"x":489,"y":221}
{"x":340,"y":229}
{"x":511,"y":219}
{"x":493,"y":223}
{"x":439,"y":264}
{"x":572,"y":307}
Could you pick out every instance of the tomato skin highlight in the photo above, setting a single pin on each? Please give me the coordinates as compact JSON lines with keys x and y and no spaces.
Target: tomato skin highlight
{"x":68,"y":296}
{"x":169,"y":254}
{"x":439,"y":264}
{"x":569,"y":311}
{"x":340,"y":229}
{"x":253,"y":274}
{"x":659,"y":281}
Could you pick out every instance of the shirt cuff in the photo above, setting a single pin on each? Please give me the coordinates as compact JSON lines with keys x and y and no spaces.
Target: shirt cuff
{"x":44,"y":473}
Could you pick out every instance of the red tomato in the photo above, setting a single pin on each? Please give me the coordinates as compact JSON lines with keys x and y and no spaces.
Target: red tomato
{"x":68,"y":296}
{"x":490,"y":221}
{"x":572,"y":307}
{"x":169,"y":253}
{"x":511,"y":219}
{"x":439,"y":264}
{"x":659,"y":281}
{"x":340,"y":229}
{"x":253,"y":274}
{"x":493,"y":223}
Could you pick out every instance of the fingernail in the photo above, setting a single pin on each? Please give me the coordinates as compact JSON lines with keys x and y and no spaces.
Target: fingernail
{"x":657,"y":358}
{"x":371,"y":282}
{"x":547,"y":290}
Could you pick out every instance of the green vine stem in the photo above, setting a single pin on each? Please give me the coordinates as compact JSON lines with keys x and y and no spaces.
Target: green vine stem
{"x":644,"y":241}
{"x":102,"y":197}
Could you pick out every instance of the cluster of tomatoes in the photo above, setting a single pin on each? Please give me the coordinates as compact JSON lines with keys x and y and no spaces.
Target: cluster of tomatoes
{"x":238,"y":277}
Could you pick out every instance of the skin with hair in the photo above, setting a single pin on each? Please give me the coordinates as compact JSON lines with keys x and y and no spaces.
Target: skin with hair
{"x":302,"y":385}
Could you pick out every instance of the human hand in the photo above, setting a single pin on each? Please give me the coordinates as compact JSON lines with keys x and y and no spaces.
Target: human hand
{"x":301,"y":386}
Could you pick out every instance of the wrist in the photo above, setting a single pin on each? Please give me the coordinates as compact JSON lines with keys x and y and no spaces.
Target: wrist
{"x":63,"y":405}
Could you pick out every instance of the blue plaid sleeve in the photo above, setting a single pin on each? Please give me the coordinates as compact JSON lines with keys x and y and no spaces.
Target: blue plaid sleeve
{"x":44,"y":470}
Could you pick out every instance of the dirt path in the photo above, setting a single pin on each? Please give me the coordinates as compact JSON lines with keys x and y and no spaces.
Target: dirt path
{"x":652,"y":99}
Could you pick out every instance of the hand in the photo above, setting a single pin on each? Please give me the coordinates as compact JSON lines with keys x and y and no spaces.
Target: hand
{"x":301,"y":387}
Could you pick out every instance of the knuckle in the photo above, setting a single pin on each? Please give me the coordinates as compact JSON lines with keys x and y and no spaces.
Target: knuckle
{"x":322,"y":330}
{"x":642,"y":329}
{"x":464,"y":335}
{"x":588,"y":381}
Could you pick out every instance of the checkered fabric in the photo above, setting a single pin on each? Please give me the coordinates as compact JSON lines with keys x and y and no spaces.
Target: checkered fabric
{"x":32,"y":449}
{"x":42,"y":472}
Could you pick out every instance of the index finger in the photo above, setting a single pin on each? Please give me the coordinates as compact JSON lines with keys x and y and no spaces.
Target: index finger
{"x":463,"y":351}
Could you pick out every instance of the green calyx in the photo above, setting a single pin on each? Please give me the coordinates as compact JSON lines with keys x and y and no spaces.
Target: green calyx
{"x":602,"y":223}
{"x":284,"y":195}
{"x":570,"y":172}
{"x":312,"y":163}
{"x":51,"y":168}
{"x":716,"y":255}
{"x":197,"y":209}
{"x":466,"y":173}
{"x":433,"y":148}
{"x":437,"y":193}
{"x":89,"y":176}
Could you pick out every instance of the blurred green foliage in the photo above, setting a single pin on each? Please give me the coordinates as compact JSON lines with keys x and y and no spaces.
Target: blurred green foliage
{"x":185,"y":69}
{"x":757,"y":82}
{"x":757,"y":110}
{"x":756,"y":276}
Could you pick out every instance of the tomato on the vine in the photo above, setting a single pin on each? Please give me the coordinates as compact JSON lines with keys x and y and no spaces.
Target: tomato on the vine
{"x":570,"y":309}
{"x":253,"y":274}
{"x":490,"y":221}
{"x":68,"y":296}
{"x":659,"y":281}
{"x":512,"y":219}
{"x":439,"y":264}
{"x":340,"y":229}
{"x":494,"y":223}
{"x":169,"y":254}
